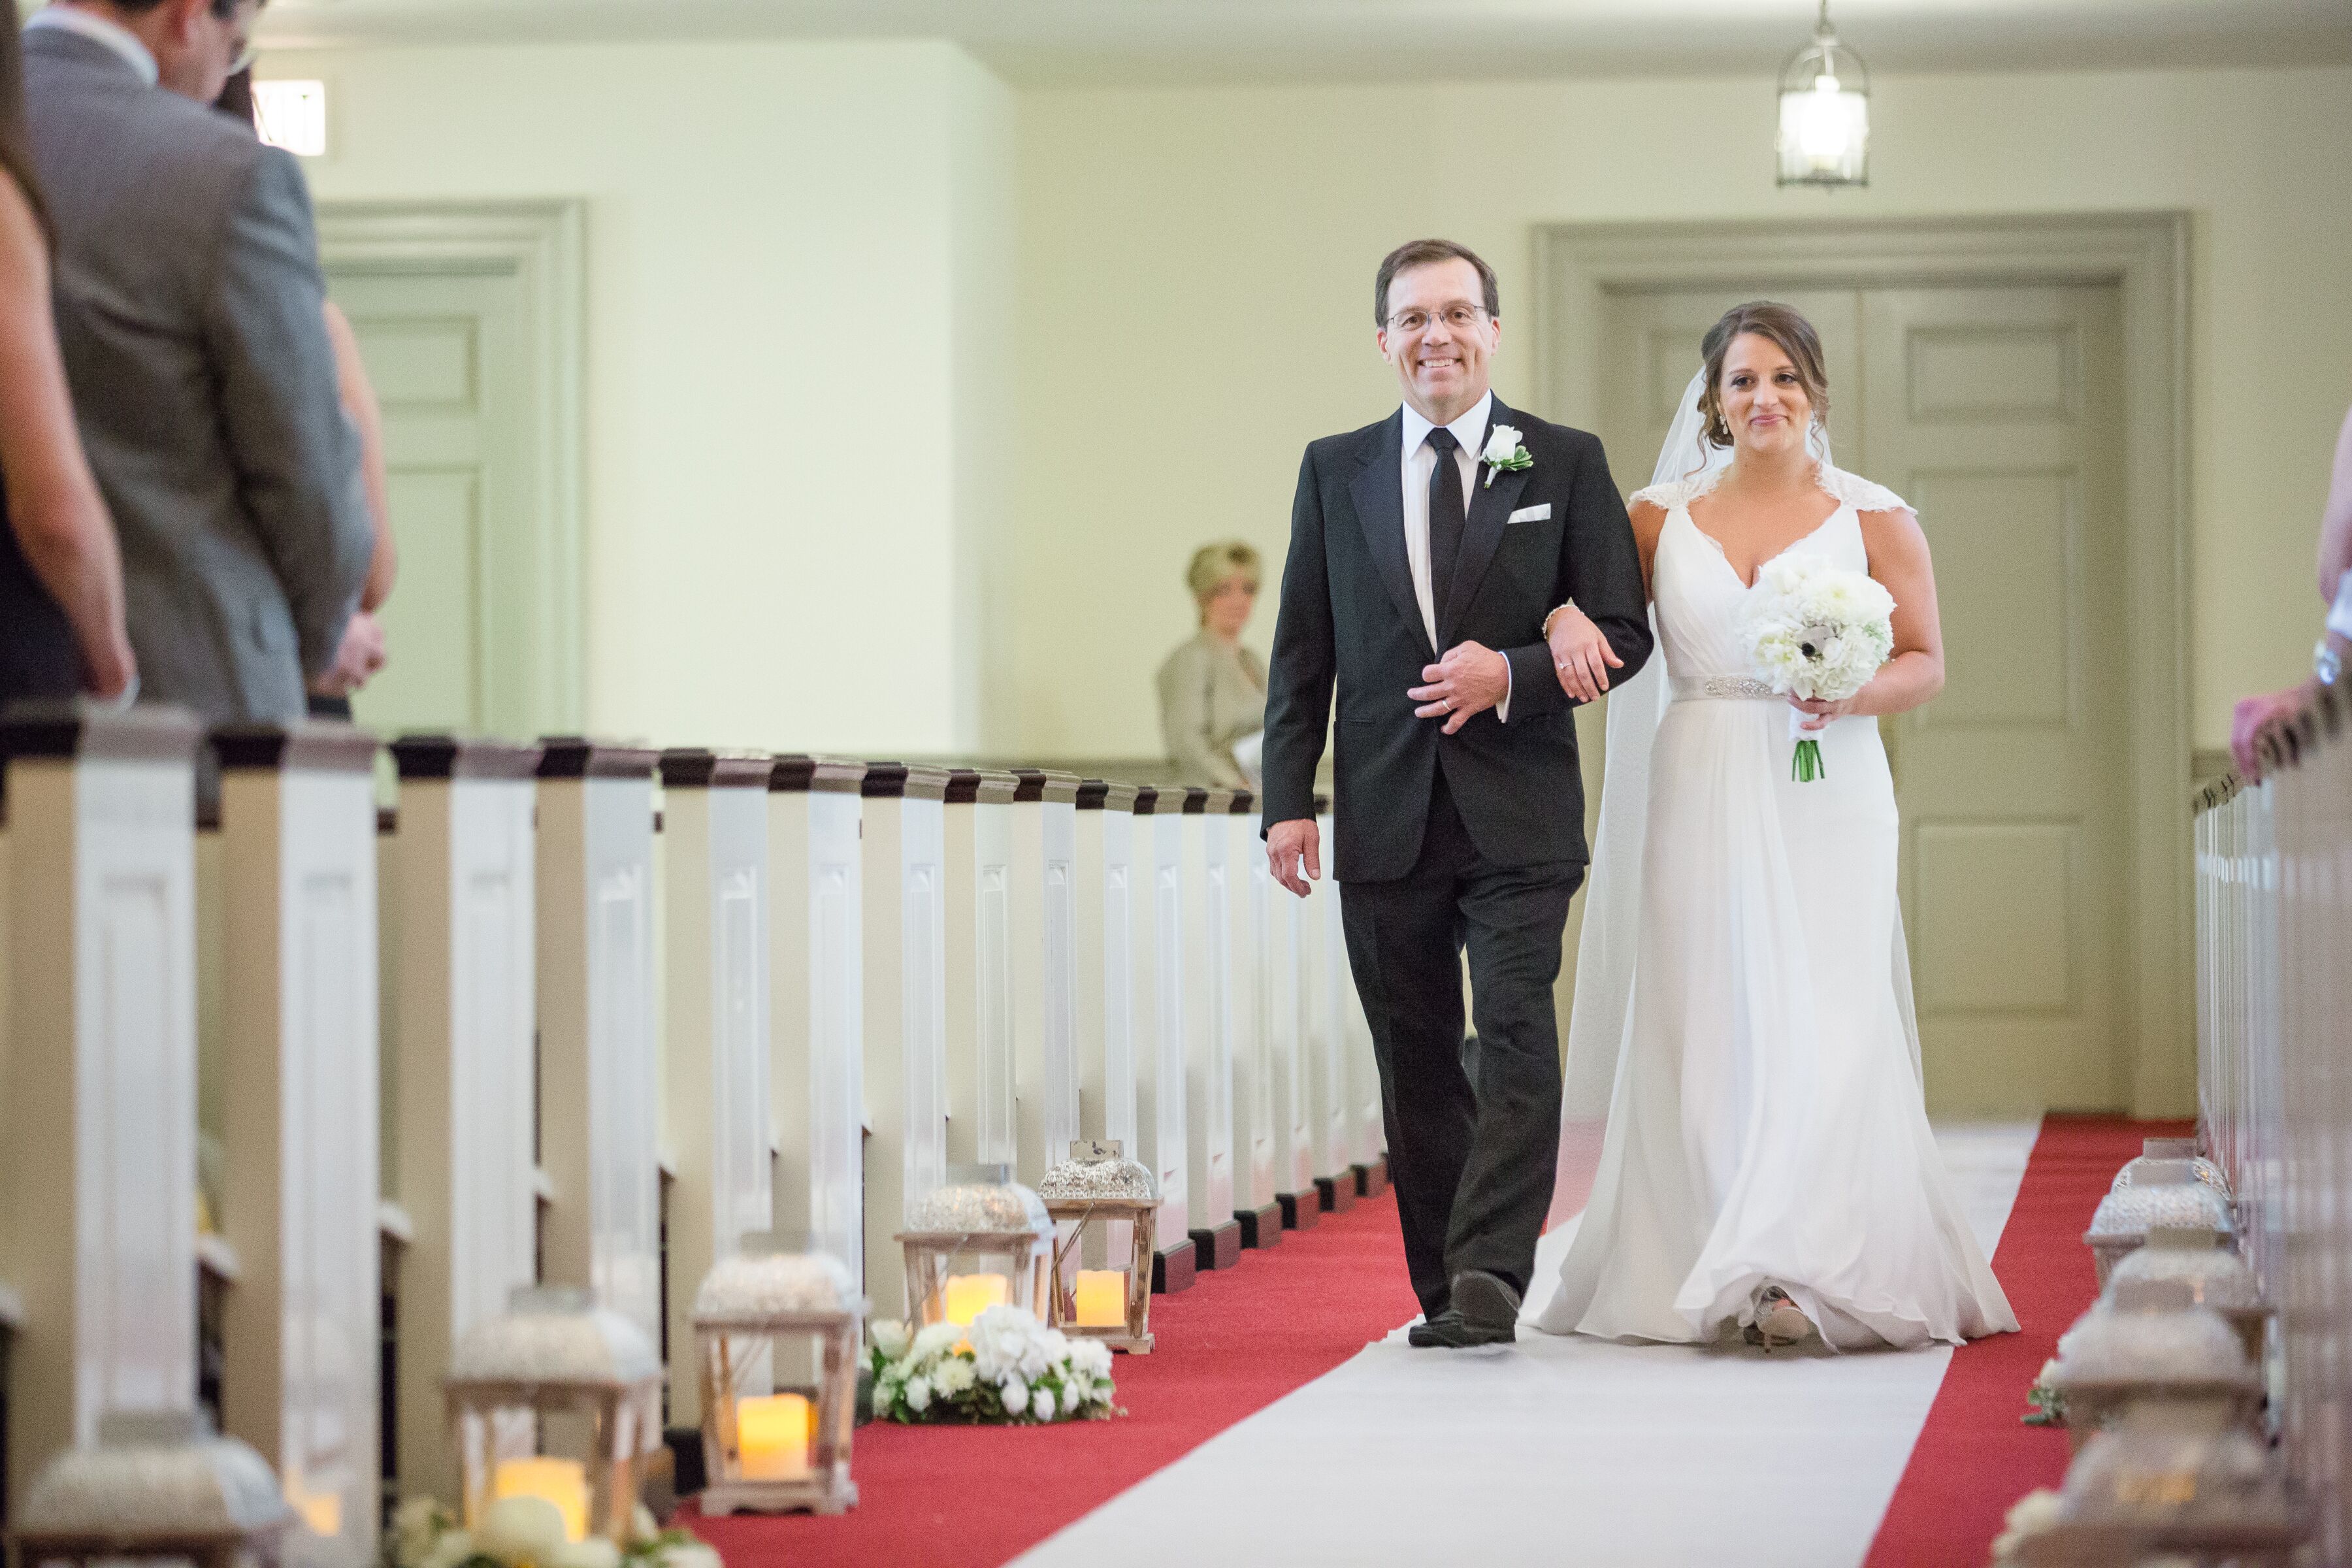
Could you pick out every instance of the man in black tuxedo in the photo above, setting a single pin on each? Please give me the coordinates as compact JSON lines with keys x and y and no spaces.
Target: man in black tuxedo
{"x":1458,"y":807}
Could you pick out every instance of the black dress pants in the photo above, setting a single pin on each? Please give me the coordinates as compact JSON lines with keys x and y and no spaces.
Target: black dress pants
{"x":1472,"y":1164}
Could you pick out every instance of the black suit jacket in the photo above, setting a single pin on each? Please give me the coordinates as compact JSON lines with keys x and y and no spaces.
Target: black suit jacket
{"x":1348,"y":619}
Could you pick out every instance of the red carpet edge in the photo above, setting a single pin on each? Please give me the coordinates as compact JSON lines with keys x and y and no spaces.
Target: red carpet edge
{"x":1974,"y":1456}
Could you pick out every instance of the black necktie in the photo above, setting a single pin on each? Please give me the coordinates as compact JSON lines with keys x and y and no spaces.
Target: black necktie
{"x":1445,"y":518}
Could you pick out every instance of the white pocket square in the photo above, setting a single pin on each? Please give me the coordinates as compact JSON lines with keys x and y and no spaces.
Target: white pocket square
{"x":1530,"y":514}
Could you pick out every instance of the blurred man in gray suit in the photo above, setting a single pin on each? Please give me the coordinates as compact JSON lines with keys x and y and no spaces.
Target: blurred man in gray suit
{"x":188,"y":302}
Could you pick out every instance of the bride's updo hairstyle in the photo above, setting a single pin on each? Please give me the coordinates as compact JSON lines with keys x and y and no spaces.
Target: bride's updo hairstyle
{"x":1785,"y":327}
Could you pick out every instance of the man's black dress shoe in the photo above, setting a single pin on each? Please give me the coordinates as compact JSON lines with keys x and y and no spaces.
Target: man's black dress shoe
{"x":1486,"y":1302}
{"x":1451,"y":1330}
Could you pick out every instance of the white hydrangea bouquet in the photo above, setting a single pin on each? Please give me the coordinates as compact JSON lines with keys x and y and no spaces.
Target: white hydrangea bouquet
{"x":1006,"y":1369}
{"x":528,"y":1532}
{"x":1817,"y":631}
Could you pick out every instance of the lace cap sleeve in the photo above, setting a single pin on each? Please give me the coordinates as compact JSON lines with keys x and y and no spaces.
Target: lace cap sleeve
{"x":1674,"y":493}
{"x":1862,"y":494}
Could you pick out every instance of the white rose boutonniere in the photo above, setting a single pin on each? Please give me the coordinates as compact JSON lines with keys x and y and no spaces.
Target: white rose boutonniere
{"x":1504,"y":454}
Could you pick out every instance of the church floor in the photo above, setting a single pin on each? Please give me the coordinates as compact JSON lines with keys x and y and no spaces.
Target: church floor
{"x":1284,"y":1420}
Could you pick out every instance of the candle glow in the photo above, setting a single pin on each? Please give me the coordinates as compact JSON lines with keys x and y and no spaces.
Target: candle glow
{"x":1101,"y":1299}
{"x":966,"y":1296}
{"x":771,"y":1432}
{"x":563,"y":1482}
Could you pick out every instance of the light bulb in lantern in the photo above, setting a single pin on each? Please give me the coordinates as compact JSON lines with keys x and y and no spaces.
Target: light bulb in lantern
{"x":1824,"y":114}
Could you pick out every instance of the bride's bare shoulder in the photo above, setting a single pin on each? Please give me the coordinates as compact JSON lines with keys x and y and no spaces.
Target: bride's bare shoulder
{"x":1648,"y":515}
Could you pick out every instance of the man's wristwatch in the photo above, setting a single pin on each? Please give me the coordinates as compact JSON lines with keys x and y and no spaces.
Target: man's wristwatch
{"x":2325,"y":664}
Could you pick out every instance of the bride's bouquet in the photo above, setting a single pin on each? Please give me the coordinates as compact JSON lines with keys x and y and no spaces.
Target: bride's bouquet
{"x":1815,"y":631}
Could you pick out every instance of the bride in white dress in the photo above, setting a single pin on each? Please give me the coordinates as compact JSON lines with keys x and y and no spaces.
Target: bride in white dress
{"x":1767,"y":1163}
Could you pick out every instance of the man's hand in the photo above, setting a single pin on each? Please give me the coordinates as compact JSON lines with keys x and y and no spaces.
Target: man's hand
{"x":2255,"y":714}
{"x":1581,"y":655}
{"x":360,"y":656}
{"x":1289,"y":843}
{"x":1469,"y":679}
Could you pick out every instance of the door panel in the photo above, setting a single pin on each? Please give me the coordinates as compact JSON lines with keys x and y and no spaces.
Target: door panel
{"x":445,"y":352}
{"x":2006,"y":432}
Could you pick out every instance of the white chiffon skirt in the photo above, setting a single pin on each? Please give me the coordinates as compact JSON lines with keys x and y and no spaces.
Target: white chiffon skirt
{"x":1767,"y":1123}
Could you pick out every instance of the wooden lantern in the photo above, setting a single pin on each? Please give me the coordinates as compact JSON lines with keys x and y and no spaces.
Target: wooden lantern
{"x":771,"y":1444}
{"x":158,"y":1487}
{"x":1106,"y":1197}
{"x":556,"y":1399}
{"x":981,"y":1240}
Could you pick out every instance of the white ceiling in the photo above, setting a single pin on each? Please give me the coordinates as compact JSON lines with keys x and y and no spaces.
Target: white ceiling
{"x":1058,"y":41}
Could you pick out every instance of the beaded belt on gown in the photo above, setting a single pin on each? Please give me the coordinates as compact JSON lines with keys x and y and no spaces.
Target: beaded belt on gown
{"x":1722,"y":688}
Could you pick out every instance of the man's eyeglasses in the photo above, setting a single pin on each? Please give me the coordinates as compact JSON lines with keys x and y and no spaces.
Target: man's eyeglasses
{"x":1459,"y":318}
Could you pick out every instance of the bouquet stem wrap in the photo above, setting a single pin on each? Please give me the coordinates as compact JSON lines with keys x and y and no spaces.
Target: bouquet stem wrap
{"x":1805,"y":765}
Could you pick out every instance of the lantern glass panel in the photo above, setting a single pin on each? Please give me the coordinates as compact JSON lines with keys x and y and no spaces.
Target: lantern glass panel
{"x":979,"y":1240}
{"x":559,"y":1401}
{"x":778,"y":1329}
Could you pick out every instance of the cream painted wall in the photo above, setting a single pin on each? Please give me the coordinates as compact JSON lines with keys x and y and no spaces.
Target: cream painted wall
{"x":1196,"y":271}
{"x":796,"y":284}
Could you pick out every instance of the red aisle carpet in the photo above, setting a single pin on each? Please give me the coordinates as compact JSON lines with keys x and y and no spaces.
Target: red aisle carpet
{"x":1974,"y":1456}
{"x":951,"y":1497}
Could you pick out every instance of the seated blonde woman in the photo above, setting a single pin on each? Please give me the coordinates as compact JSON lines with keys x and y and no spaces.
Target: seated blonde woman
{"x":1213,"y":689}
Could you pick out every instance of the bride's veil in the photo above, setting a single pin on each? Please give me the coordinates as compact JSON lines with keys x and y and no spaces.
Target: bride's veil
{"x":1612,"y":891}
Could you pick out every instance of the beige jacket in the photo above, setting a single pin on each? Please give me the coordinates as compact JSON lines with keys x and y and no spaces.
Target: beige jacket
{"x":1211,"y":695}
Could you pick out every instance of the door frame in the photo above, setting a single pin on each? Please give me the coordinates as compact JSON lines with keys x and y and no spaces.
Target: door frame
{"x":541,"y":245}
{"x":2145,"y":256}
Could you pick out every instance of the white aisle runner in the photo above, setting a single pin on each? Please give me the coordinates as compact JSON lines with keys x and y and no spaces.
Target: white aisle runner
{"x":1566,"y":1452}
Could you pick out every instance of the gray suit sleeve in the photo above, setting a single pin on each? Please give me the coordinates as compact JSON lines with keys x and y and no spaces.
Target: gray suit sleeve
{"x":297,"y":455}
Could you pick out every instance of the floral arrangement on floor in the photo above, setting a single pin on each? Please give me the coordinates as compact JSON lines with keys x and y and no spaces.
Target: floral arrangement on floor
{"x":2028,"y":1516}
{"x":528,"y":1532}
{"x":2045,"y":1404}
{"x":1006,"y":1369}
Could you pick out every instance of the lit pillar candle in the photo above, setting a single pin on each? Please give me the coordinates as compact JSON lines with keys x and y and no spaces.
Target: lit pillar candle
{"x":1102,"y":1298}
{"x":563,"y":1482}
{"x":967,"y":1295}
{"x":771,"y":1432}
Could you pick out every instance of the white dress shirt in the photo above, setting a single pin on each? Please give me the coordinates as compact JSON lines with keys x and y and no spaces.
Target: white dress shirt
{"x":99,"y":30}
{"x":1419,"y":462}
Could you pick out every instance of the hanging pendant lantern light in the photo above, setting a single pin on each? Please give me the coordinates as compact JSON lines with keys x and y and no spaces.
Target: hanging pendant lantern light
{"x":1825,"y":113}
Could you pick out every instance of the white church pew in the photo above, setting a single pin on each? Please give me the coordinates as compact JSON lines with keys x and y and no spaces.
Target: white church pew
{"x":1209,"y":1029}
{"x":1104,"y":874}
{"x":298,"y":918}
{"x":816,"y":1002}
{"x":1324,"y":979}
{"x":1367,"y":1127}
{"x":716,"y":1039}
{"x":1290,"y":959}
{"x":1162,"y":985}
{"x":599,"y":1074}
{"x":905,"y":1000}
{"x":464,"y":877}
{"x":1256,"y":1202}
{"x":1044,"y":909}
{"x":976,"y":875}
{"x":100,"y":930}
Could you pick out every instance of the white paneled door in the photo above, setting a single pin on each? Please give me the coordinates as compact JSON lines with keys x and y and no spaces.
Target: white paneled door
{"x":1997,"y":411}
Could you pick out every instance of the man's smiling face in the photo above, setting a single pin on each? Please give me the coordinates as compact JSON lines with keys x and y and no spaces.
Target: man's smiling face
{"x":1440,"y":338}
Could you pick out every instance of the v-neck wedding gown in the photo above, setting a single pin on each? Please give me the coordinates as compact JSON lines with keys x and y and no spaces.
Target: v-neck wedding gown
{"x":1766,"y":1125}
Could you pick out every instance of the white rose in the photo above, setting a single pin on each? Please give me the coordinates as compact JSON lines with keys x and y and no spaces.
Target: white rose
{"x":1091,"y":1357}
{"x":521,"y":1529}
{"x":891,"y":1337}
{"x":1073,"y":1398}
{"x":936,"y":1339}
{"x":1015,"y":1394}
{"x":954,"y":1376}
{"x":918,"y":1394}
{"x":1500,"y":445}
{"x":593,"y":1552}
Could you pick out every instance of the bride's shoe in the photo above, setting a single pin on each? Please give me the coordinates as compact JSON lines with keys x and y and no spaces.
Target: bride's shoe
{"x":1779,"y":1320}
